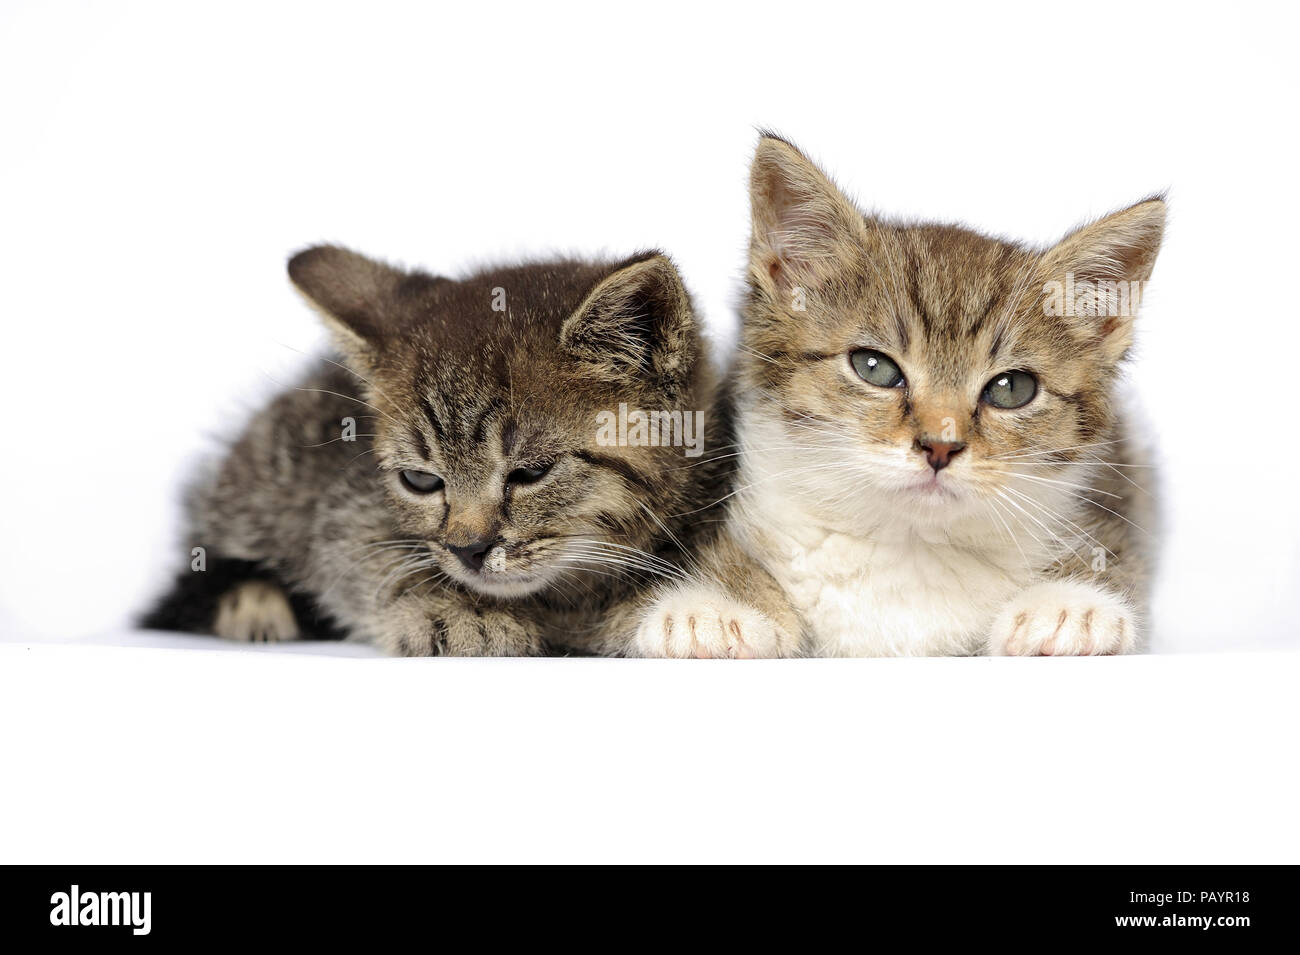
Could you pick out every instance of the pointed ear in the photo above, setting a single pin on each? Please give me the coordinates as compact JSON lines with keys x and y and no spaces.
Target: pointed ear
{"x":636,"y":325}
{"x":364,"y":303}
{"x":803,"y":225}
{"x":1095,"y":275}
{"x":350,"y":290}
{"x":1121,"y":246}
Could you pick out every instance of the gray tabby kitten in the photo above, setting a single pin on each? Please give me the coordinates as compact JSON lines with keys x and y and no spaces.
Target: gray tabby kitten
{"x":478,"y":507}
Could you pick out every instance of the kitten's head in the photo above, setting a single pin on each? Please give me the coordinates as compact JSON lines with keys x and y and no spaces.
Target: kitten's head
{"x":486,"y":394}
{"x":928,"y":370}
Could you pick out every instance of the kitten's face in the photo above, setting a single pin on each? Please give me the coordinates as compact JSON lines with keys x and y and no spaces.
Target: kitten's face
{"x":486,"y":436}
{"x":916,"y":370}
{"x":509,"y":488}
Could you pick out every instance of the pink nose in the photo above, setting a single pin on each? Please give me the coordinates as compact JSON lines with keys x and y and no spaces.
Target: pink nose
{"x":939,"y":453}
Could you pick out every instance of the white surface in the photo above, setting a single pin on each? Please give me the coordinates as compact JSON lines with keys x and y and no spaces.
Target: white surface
{"x":132,"y":755}
{"x":158,"y":640}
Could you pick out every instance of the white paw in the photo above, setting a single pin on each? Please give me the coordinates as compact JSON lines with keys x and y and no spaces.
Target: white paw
{"x":255,"y":610}
{"x":1063,"y":618}
{"x":700,"y":622}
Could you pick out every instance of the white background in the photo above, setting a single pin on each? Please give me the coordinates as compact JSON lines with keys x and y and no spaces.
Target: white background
{"x":158,"y":162}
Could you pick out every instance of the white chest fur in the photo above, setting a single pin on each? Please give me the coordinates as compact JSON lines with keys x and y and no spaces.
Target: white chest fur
{"x":897,"y":592}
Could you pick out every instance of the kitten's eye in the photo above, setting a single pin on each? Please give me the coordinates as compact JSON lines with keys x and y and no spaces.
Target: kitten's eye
{"x":528,"y":475}
{"x":1011,"y":389}
{"x":421,"y":482}
{"x":875,"y":368}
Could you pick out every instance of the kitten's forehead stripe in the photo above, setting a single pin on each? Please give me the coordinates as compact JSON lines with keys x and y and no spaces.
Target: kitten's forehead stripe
{"x":485,"y":418}
{"x":914,"y":293}
{"x":998,"y":337}
{"x":984,"y":312}
{"x":904,"y":334}
{"x":422,"y":443}
{"x":439,"y":432}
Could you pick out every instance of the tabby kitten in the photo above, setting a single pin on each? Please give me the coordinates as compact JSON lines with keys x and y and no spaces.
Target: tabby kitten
{"x":932,"y":456}
{"x":443,"y":487}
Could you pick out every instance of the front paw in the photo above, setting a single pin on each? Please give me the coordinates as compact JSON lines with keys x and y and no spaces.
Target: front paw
{"x":459,"y":632}
{"x":700,"y":622}
{"x":486,"y":633}
{"x":1063,"y":618}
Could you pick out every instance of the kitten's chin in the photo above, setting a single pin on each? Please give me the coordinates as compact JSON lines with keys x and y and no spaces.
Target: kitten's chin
{"x":933,"y":500}
{"x":934,"y":489}
{"x":508,"y":586}
{"x":931,"y":490}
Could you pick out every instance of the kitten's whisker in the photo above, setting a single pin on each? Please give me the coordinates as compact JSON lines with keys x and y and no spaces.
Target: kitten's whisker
{"x":1056,"y":537}
{"x":690,"y":559}
{"x":1083,"y":460}
{"x":409,"y":541}
{"x":355,"y":457}
{"x":379,"y":548}
{"x":405,"y":568}
{"x":635,"y":557}
{"x":1043,"y":480}
{"x":757,"y":354}
{"x":1114,"y":469}
{"x":326,"y":391}
{"x":1053,"y":515}
{"x":995,"y":511}
{"x":333,"y":440}
{"x":1039,"y":453}
{"x":681,"y":548}
{"x":1137,"y":527}
{"x":350,"y":371}
{"x":618,"y":560}
{"x":587,"y":569}
{"x":1089,"y":461}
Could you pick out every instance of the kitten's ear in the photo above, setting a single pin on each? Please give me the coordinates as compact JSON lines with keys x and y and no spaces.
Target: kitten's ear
{"x":1120,"y":247}
{"x":351,"y":291}
{"x":804,"y":226}
{"x":637,"y":324}
{"x":1101,"y":268}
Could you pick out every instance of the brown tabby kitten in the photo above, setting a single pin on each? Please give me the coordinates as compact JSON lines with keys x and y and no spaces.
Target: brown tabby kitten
{"x":473,"y":507}
{"x":932,"y":457}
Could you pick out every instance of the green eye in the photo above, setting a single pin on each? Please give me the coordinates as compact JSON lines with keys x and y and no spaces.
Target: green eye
{"x":875,"y":368}
{"x":1011,"y":389}
{"x":421,"y":482}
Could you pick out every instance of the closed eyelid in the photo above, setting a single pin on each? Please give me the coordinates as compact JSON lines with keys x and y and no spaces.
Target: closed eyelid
{"x":540,"y":459}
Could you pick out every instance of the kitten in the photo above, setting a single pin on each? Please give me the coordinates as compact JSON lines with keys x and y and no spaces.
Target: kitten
{"x":445,"y":487}
{"x":932,"y":456}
